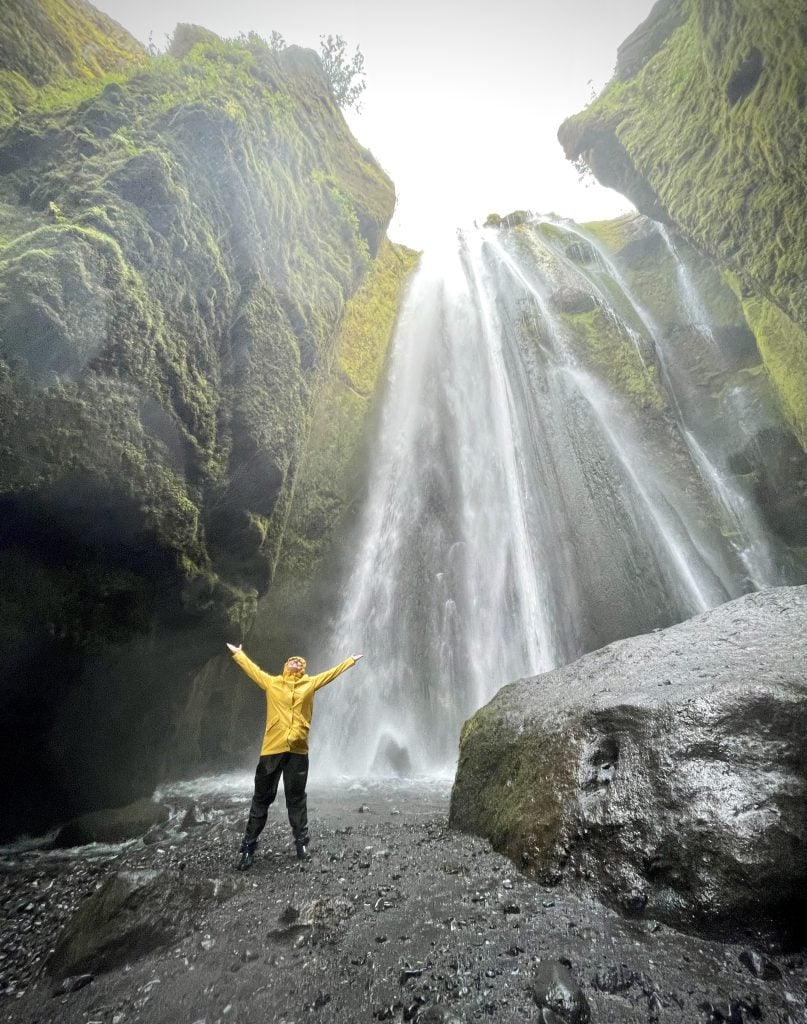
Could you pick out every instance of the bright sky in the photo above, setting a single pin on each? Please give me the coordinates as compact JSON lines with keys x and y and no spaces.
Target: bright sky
{"x":463,"y":98}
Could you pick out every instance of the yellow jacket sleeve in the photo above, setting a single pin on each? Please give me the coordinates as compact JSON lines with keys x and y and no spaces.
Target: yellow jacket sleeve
{"x":256,"y":674}
{"x":326,"y":677}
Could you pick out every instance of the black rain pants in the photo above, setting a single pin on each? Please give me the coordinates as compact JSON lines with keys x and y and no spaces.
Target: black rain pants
{"x":294,"y":769}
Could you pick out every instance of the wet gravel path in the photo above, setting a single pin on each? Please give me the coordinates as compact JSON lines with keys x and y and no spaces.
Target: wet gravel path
{"x":395,"y":918}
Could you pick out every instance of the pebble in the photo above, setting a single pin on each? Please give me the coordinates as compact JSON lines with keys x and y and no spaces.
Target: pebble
{"x":554,"y":989}
{"x":760,"y":966}
{"x":73,"y":984}
{"x":458,"y":968}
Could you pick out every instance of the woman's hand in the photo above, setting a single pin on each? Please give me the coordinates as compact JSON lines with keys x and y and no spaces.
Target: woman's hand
{"x":357,"y":657}
{"x":234,"y":649}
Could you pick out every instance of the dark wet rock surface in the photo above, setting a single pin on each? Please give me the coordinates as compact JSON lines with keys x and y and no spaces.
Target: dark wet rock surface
{"x":397,"y":918}
{"x":114,"y":825}
{"x":664,"y":774}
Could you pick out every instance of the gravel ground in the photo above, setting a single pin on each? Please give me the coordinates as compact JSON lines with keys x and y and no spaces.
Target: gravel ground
{"x":396,"y":918}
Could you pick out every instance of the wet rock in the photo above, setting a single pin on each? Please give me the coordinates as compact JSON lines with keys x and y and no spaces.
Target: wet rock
{"x":122,"y":920}
{"x":408,"y":973}
{"x":558,"y":995}
{"x":614,"y":979}
{"x":760,"y":966}
{"x":572,"y":300}
{"x":72,"y":984}
{"x":438,"y":1015}
{"x":392,"y":758}
{"x":113,"y":825}
{"x":683,"y":801}
{"x":194,"y":817}
{"x":156,"y":835}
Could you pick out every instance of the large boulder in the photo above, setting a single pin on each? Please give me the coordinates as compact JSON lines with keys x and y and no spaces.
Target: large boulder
{"x":666,"y":774}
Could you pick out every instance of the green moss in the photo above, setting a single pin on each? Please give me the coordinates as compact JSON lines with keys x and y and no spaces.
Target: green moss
{"x":370,"y":317}
{"x":514,"y":791}
{"x":50,"y":49}
{"x":783,"y":346}
{"x":614,"y":234}
{"x":614,"y":355}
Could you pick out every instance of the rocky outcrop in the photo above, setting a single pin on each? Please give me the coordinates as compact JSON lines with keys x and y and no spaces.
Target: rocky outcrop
{"x":665,"y":774}
{"x":176,"y":254}
{"x":702,"y":129}
{"x":115,"y":825}
{"x":132,"y":913}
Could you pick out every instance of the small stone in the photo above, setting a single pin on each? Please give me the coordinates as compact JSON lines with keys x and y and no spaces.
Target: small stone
{"x":554,"y":989}
{"x":634,"y":901}
{"x":408,"y":973}
{"x":511,"y":908}
{"x":655,"y":1006}
{"x":438,"y":1015}
{"x":760,"y":966}
{"x":614,"y":979}
{"x":72,"y":984}
{"x":364,"y":809}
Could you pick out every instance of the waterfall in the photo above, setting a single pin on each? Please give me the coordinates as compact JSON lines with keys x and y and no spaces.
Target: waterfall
{"x":519,"y":512}
{"x":764,"y":562}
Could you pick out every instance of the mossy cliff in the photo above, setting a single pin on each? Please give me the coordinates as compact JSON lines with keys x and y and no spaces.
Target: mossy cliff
{"x":178,"y":242}
{"x":48,"y":46}
{"x":704,"y":126}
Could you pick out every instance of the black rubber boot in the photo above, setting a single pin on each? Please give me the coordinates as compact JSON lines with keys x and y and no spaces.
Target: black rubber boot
{"x":302,"y":851}
{"x":247,"y":858}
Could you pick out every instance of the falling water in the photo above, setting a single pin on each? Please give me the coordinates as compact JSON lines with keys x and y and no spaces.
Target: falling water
{"x":518,"y":514}
{"x":447,"y":598}
{"x":764,"y":562}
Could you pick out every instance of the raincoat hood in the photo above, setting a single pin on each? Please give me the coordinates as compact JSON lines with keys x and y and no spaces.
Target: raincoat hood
{"x":287,"y":674}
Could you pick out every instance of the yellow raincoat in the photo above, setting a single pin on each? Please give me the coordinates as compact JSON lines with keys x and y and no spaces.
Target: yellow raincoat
{"x":289,"y":703}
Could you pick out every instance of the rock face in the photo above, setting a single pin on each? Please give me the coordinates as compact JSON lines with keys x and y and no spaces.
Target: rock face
{"x":177,"y":250}
{"x":703,"y":128}
{"x":665,"y":773}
